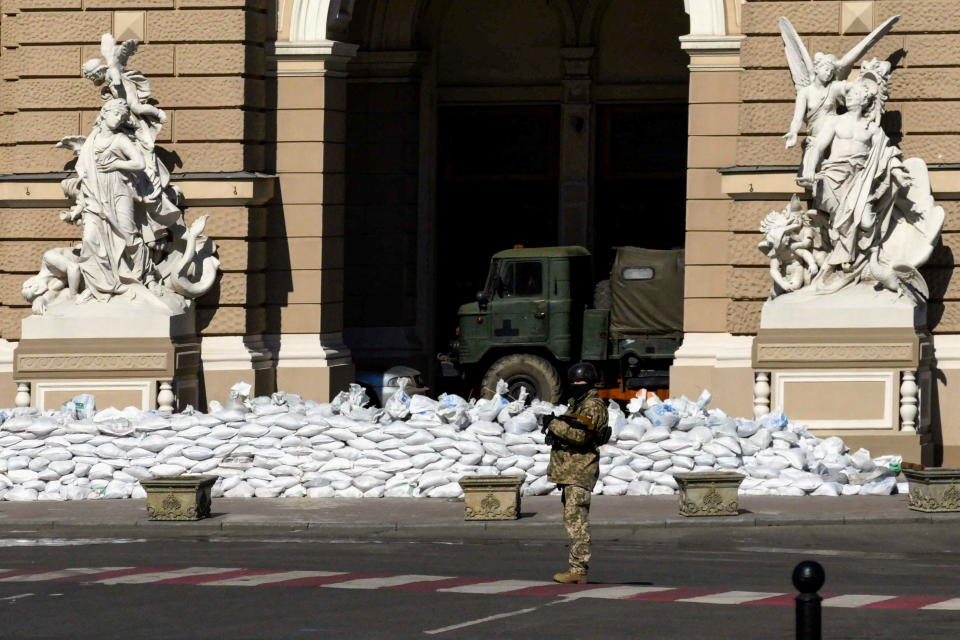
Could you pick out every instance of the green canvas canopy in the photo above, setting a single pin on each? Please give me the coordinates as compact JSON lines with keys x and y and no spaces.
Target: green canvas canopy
{"x":646,"y":287}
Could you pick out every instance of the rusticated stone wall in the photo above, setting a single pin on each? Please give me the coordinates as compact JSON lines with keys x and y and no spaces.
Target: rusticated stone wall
{"x":205,"y":60}
{"x":923,"y":110}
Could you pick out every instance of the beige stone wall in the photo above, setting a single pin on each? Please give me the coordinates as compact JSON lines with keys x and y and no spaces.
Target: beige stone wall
{"x":922,"y":109}
{"x":305,"y":250}
{"x":714,"y":98}
{"x":205,"y":60}
{"x":195,"y":56}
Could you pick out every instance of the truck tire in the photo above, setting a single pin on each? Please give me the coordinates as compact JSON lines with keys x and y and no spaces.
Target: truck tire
{"x":602,"y":297}
{"x":523,"y":370}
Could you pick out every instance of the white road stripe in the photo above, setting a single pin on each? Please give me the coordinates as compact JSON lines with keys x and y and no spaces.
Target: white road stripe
{"x":267,"y":578}
{"x":853,"y":601}
{"x":156,"y":576}
{"x":730,"y":597}
{"x":380,"y":583}
{"x":17,"y":597}
{"x":53,"y":575}
{"x":470,"y":623}
{"x":495,"y":587}
{"x":614,"y":593}
{"x":947,"y":605}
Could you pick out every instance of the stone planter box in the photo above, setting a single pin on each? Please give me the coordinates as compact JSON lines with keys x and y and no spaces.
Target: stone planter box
{"x":491,"y":497}
{"x":709,"y":493}
{"x":934,"y":490}
{"x":179,"y":498}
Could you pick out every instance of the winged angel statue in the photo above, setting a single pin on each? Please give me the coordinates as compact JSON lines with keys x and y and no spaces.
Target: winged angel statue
{"x":873,"y":218}
{"x":135,"y":245}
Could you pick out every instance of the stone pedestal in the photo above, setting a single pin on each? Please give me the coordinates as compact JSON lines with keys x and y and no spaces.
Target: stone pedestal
{"x":491,"y":497}
{"x":180,"y":498}
{"x":709,"y":494}
{"x":856,"y":363}
{"x":125,"y":354}
{"x":934,"y":490}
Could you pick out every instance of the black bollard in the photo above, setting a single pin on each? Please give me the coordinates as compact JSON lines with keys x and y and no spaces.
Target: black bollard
{"x":808,"y":577}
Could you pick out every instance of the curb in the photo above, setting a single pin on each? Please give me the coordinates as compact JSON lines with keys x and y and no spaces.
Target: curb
{"x":507,"y":530}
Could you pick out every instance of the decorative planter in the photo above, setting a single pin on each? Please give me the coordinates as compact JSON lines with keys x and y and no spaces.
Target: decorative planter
{"x":934,"y":490}
{"x":709,"y":493}
{"x":179,"y":498}
{"x":491,"y":497}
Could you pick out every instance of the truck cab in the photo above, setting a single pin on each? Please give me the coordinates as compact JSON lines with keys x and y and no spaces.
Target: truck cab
{"x":538,"y":313}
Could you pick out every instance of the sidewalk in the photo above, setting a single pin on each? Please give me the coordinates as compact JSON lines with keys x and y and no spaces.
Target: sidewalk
{"x":611,"y":517}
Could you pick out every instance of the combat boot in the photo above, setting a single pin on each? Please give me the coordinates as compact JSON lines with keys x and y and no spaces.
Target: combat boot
{"x":570,"y":577}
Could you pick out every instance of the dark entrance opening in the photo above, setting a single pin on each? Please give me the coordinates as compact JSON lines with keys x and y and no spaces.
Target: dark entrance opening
{"x":641,"y":177}
{"x":497,"y":187}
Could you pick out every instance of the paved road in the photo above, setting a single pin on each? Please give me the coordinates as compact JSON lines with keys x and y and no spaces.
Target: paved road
{"x":295,"y":588}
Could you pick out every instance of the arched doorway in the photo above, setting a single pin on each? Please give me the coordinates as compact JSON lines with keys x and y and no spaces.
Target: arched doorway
{"x":476,"y":125}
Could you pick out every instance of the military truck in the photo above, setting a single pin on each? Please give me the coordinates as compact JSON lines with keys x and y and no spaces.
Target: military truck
{"x":540,"y":311}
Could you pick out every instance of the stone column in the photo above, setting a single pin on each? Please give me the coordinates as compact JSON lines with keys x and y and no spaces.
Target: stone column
{"x":305,"y":254}
{"x":710,"y":357}
{"x":576,"y":142}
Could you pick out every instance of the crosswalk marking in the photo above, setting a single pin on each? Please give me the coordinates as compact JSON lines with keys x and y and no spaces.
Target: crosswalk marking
{"x":268,"y":578}
{"x":500,"y":586}
{"x":179,"y":577}
{"x":64,"y":573}
{"x":853,"y":601}
{"x":730,"y":597}
{"x":380,"y":583}
{"x":953,"y":604}
{"x":144,"y":578}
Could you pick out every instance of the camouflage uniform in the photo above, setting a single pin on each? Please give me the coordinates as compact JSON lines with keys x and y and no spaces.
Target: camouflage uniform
{"x":575,"y":467}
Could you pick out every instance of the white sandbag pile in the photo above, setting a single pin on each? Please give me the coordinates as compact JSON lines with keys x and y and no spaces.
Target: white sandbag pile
{"x":778,"y":457}
{"x":284,"y":446}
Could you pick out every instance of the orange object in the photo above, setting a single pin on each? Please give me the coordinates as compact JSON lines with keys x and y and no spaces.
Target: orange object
{"x":614,"y":393}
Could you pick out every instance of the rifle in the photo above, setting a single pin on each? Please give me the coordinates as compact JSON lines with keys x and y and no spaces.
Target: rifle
{"x":582,"y":422}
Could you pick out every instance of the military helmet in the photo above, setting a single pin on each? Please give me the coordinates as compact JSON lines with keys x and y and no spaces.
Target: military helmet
{"x":583,"y":372}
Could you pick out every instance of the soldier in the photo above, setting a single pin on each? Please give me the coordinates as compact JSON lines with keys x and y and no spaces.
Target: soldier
{"x":575,"y":463}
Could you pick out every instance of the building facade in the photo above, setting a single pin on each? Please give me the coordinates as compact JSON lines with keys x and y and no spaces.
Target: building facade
{"x":362,"y":159}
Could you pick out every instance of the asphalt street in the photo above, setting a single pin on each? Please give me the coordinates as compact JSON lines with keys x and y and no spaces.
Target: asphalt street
{"x":885,"y":560}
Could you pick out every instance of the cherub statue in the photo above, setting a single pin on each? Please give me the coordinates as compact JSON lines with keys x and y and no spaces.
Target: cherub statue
{"x":821,"y":83}
{"x":59,"y":279}
{"x":792,"y":263}
{"x":119,"y":82}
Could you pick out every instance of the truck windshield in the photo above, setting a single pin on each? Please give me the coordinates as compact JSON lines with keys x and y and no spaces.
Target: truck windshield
{"x":491,"y":285}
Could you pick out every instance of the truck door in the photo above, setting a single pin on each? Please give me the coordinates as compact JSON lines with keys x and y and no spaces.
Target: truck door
{"x":518,"y":312}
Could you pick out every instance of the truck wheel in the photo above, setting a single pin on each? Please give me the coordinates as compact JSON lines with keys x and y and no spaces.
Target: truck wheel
{"x":602,"y":296}
{"x":523,"y":370}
